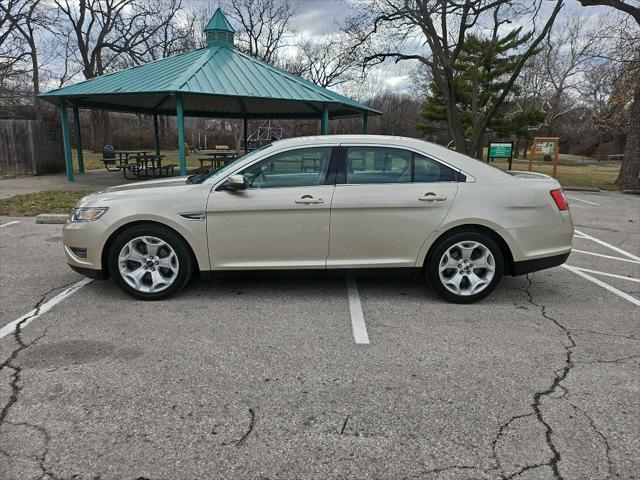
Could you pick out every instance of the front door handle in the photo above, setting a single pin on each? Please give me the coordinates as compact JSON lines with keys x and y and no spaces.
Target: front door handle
{"x":432,"y":197}
{"x":309,"y":200}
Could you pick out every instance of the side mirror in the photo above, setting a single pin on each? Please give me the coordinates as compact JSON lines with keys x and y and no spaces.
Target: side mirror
{"x":235,"y":182}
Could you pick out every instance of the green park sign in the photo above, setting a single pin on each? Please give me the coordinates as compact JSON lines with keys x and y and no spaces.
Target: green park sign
{"x":500,"y":150}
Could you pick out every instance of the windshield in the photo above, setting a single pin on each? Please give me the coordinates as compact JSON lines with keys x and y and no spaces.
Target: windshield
{"x":199,"y":178}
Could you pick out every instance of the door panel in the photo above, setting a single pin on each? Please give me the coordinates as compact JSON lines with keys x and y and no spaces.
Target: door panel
{"x":281,"y":220}
{"x":385,"y":225}
{"x":275,"y":228}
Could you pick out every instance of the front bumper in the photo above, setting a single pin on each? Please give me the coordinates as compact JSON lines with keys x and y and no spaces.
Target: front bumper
{"x":90,"y":273}
{"x":86,"y":236}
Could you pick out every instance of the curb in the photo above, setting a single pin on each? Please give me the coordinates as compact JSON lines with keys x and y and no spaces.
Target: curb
{"x":581,"y":189}
{"x":52,"y":218}
{"x":631,"y":192}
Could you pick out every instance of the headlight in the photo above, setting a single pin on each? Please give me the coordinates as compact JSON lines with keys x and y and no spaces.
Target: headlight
{"x":87,"y":214}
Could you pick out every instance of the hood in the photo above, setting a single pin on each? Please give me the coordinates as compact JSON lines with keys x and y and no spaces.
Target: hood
{"x":171,"y":187}
{"x":166,"y":182}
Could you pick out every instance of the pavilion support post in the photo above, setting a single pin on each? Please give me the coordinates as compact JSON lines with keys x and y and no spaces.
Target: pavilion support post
{"x":246,"y":134}
{"x":156,"y":133}
{"x":181,"y":138}
{"x":76,"y":127}
{"x":365,"y":123}
{"x":66,"y":141}
{"x":324,"y":126}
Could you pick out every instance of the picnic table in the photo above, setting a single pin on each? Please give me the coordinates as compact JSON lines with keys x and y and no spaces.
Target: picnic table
{"x":149,"y":166}
{"x":217,"y":159}
{"x":122,"y":159}
{"x":124,"y":155}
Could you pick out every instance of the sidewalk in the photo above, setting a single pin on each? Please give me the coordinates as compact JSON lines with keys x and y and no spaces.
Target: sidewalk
{"x":92,"y":180}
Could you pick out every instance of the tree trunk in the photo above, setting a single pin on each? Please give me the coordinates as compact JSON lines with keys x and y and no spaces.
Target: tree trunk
{"x":629,"y":176}
{"x":454,"y":123}
{"x":100,"y":130}
{"x":455,"y":127}
{"x":36,"y":82}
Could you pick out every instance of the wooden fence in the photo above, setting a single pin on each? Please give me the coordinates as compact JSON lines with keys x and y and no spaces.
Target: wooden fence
{"x":30,"y":147}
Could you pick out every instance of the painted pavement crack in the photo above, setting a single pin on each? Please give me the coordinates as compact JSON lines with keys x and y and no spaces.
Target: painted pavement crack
{"x":46,"y":474}
{"x":602,"y":436}
{"x":11,"y":363}
{"x":594,"y":332}
{"x":252,"y":421}
{"x":344,"y":425}
{"x":560,"y":375}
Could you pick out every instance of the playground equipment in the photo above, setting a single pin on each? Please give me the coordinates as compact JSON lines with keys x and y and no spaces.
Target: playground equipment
{"x":267,"y":132}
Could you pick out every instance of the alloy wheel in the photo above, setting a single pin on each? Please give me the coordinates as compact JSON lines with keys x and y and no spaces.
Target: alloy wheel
{"x":148,"y":264}
{"x":467,"y":268}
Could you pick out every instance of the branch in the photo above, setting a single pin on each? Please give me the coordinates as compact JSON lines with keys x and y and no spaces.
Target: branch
{"x":617,"y":4}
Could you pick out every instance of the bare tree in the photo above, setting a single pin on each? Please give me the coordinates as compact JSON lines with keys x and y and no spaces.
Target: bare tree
{"x":175,"y":33}
{"x":25,"y":16}
{"x":622,"y":5}
{"x":107,"y":32}
{"x":433,"y":32}
{"x":566,"y":56}
{"x":265,"y":24}
{"x":328,"y":62}
{"x":12,"y":47}
{"x":629,"y":58}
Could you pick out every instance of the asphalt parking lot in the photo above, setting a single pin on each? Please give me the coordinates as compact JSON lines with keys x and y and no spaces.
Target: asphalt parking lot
{"x":307,"y":378}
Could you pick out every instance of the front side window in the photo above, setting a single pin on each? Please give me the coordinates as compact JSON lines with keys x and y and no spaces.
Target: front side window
{"x":391,"y":165}
{"x":294,"y":168}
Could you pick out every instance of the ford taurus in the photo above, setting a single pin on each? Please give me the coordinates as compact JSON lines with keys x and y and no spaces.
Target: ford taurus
{"x":332,"y":205}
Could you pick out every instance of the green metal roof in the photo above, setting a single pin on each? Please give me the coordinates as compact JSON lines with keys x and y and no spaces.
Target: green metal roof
{"x":219,"y":22}
{"x":214,"y":81}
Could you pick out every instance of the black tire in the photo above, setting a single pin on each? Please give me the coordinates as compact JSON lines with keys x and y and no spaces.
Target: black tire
{"x":439,"y":250}
{"x":172,"y":239}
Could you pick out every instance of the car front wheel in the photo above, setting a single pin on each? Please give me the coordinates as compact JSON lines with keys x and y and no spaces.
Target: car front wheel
{"x":465,"y":267}
{"x":150,"y":262}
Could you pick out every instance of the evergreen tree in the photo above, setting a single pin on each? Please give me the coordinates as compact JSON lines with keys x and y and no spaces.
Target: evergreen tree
{"x":481,"y":72}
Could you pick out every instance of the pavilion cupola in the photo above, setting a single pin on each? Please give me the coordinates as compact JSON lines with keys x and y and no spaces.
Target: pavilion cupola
{"x":219,"y":31}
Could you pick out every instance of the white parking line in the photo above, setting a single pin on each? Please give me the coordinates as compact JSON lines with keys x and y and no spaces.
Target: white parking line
{"x":575,"y":250}
{"x":604,"y":285}
{"x":613,"y":275}
{"x":608,"y":245}
{"x":27,"y":318}
{"x":9,"y":223}
{"x":357,"y":318}
{"x":585,"y":201}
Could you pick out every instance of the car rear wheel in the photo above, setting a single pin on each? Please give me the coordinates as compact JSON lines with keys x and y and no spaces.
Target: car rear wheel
{"x":465,"y":267}
{"x":150,"y":262}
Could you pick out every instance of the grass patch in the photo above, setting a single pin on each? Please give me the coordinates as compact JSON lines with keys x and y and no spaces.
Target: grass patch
{"x":593,"y":176}
{"x":30,"y":204}
{"x":93,"y":160}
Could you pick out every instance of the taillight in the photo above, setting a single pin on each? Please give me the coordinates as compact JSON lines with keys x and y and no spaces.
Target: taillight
{"x":560,"y":199}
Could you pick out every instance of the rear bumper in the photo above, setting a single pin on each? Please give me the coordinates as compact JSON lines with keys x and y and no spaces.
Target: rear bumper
{"x":528,"y":266}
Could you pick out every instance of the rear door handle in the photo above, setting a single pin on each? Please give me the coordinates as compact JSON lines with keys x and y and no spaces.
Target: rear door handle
{"x":432,"y":197}
{"x":309,"y":200}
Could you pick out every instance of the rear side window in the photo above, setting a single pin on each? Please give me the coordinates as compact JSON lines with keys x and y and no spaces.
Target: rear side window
{"x":427,"y":170}
{"x":368,"y":165}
